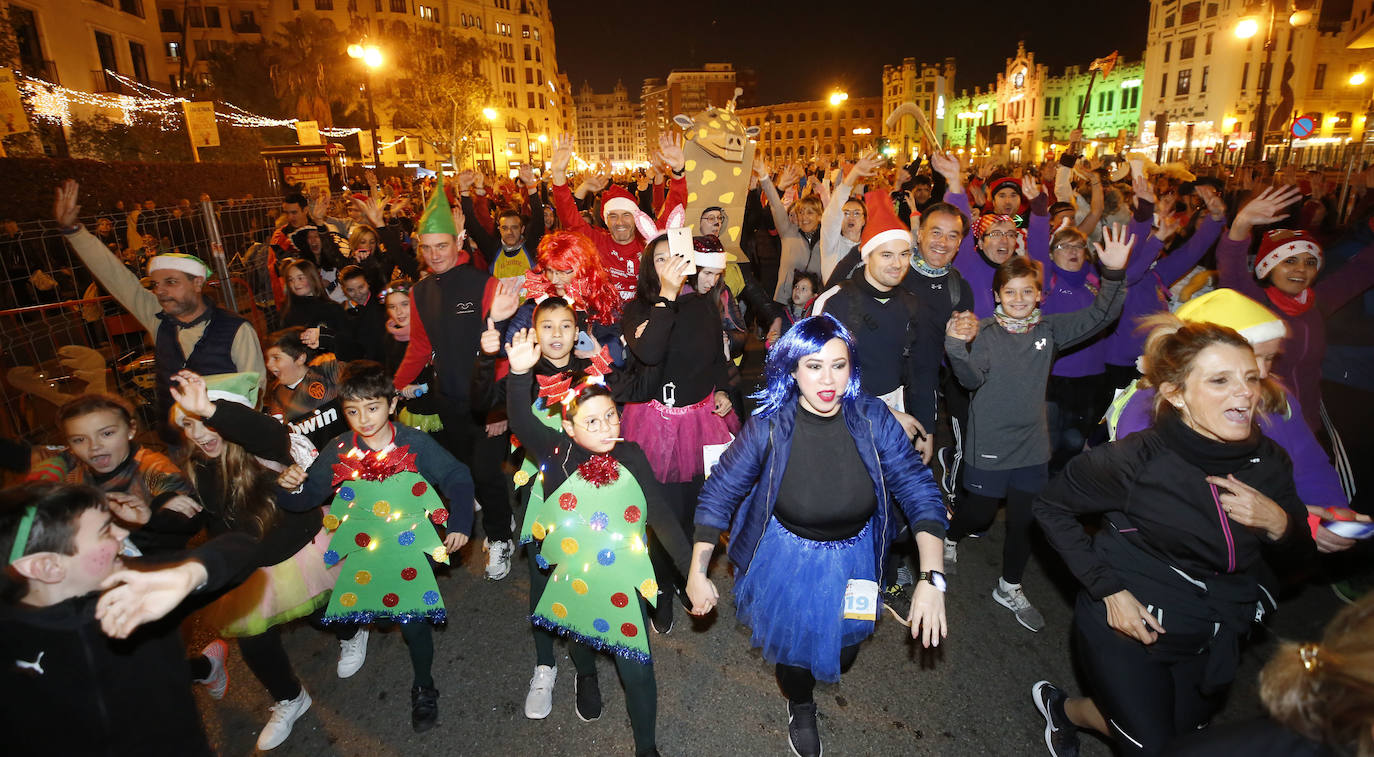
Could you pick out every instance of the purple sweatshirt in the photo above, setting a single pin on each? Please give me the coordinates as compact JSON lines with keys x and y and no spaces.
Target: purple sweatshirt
{"x":1315,"y":478}
{"x":1148,"y":285}
{"x":1067,"y":291}
{"x":971,"y":264}
{"x":1300,"y":365}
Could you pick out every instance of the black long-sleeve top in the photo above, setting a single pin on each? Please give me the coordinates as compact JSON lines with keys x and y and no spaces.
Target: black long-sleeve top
{"x":489,"y":393}
{"x":559,"y":457}
{"x":826,"y":493}
{"x":326,"y":315}
{"x":264,"y":437}
{"x":685,"y":340}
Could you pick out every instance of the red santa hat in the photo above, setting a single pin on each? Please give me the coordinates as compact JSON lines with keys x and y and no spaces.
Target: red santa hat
{"x":883,"y":225}
{"x":1281,"y":244}
{"x":616,"y":198}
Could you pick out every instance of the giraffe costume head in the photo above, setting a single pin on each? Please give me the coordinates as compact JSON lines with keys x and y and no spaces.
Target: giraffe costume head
{"x":720,"y":155}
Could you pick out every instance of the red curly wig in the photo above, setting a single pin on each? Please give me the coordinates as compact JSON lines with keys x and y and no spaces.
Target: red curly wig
{"x":570,"y":251}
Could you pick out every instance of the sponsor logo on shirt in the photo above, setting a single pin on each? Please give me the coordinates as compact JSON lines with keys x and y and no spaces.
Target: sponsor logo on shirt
{"x":321,"y":418}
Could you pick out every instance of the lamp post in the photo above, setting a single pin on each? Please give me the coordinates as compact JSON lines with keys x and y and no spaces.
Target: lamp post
{"x":1247,"y":28}
{"x":837,"y":98}
{"x":490,"y":114}
{"x":543,"y":140}
{"x":371,"y":56}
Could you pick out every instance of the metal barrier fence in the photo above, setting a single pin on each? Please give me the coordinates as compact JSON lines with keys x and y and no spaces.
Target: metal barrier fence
{"x":54,"y":303}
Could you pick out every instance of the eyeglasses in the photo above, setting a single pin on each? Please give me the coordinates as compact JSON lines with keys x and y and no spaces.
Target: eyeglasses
{"x":1071,"y":247}
{"x":1001,"y":234}
{"x":596,"y":425}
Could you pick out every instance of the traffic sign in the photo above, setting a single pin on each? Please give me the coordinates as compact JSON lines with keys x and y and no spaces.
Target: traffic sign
{"x":1303,"y":126}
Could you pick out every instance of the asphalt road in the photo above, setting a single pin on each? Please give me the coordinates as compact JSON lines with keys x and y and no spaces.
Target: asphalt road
{"x":716,"y":695}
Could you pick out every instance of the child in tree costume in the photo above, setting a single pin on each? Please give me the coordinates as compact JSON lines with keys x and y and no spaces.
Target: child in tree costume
{"x":599,"y":494}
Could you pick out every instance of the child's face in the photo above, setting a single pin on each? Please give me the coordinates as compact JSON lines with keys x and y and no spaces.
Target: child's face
{"x":595,"y":426}
{"x":1019,"y":296}
{"x":97,"y":541}
{"x":707,"y":278}
{"x":802,"y":292}
{"x":100,"y":439}
{"x":207,"y":439}
{"x":285,"y":368}
{"x":556,"y":332}
{"x":368,"y":417}
{"x":398,"y":307}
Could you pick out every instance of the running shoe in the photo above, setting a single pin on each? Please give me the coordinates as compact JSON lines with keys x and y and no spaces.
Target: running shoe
{"x":803,"y":732}
{"x":539,"y":701}
{"x":1061,"y":735}
{"x":587,"y":696}
{"x":284,"y":716}
{"x":424,"y":708}
{"x":1014,"y":599}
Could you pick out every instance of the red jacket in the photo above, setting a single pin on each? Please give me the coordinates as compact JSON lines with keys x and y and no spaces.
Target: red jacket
{"x":621,"y":260}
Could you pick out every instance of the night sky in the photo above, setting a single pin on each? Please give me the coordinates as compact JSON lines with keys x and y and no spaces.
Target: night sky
{"x":796,"y":58}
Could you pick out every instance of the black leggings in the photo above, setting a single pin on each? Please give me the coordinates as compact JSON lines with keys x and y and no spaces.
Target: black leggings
{"x":797,"y":684}
{"x":266,"y":657}
{"x":1146,"y":698}
{"x":467,"y":440}
{"x":543,"y":637}
{"x":976,"y":511}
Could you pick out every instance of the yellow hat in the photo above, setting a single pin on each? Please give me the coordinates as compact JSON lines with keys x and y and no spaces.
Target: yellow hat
{"x":1229,"y":308}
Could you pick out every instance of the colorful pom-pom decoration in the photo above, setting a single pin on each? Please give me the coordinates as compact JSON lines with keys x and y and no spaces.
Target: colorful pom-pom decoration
{"x":430,"y":597}
{"x":439,"y":516}
{"x":521,"y":477}
{"x":381,"y":509}
{"x":348,"y":599}
{"x":439,"y":554}
{"x":629,"y":630}
{"x":569,"y":546}
{"x":606,"y":557}
{"x":537,"y":531}
{"x":567,"y":501}
{"x":560,"y":611}
{"x":331,"y":522}
{"x":601,"y":625}
{"x":632,"y":514}
{"x":362,"y":578}
{"x":599,"y":521}
{"x":648,"y":588}
{"x":579,"y":586}
{"x":390,"y":600}
{"x":331,"y":558}
{"x":409,"y":574}
{"x":419,"y":488}
{"x":406,"y":538}
{"x":346,"y":493}
{"x":620,"y":599}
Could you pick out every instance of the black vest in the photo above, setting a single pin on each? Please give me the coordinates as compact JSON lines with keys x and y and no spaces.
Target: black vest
{"x":210,"y":356}
{"x":450,"y":309}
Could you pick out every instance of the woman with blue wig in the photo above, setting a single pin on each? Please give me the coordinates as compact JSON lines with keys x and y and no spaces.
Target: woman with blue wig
{"x":809,"y":493}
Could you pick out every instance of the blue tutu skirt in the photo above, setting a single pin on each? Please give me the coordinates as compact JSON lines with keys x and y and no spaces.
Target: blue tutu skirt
{"x":792,"y":598}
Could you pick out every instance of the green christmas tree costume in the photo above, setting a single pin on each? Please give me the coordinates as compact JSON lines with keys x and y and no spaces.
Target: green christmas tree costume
{"x":594,"y":536}
{"x":381,"y":519}
{"x":529,"y":469}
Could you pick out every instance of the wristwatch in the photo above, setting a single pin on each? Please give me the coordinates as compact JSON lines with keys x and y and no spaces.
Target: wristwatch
{"x":936,"y":579}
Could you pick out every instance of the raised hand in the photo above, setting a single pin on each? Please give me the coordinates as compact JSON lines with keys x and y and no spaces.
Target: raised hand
{"x":370,"y":209}
{"x":1030,"y":186}
{"x":790,"y":176}
{"x":1168,"y":226}
{"x":948,"y":166}
{"x":128,"y":507}
{"x":319,"y":207}
{"x":1115,"y":248}
{"x":761,"y":169}
{"x":522,"y":351}
{"x":560,"y":158}
{"x":527,"y":177}
{"x":865,"y":167}
{"x":506,"y":300}
{"x":188,"y":390}
{"x":670,"y":147}
{"x":672,"y":274}
{"x":466,"y":178}
{"x":65,"y":208}
{"x":1267,"y":207}
{"x":1142,"y":188}
{"x":133,"y":597}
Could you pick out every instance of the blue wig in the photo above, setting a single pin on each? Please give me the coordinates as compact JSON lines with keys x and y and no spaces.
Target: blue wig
{"x":806,"y":337}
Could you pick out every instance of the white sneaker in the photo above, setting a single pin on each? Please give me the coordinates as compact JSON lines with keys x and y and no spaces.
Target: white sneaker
{"x":951,"y":556}
{"x":498,"y":558}
{"x":352,"y":654}
{"x":539,"y":702}
{"x":218,"y":680}
{"x":284,"y":716}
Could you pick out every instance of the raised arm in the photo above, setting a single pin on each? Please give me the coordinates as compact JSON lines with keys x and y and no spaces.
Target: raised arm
{"x":1112,"y":251}
{"x":1266,"y":208}
{"x":118,"y":280}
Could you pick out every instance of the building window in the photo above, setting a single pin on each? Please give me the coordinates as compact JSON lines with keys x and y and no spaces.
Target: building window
{"x":1169,"y":21}
{"x":1211,"y":10}
{"x":1168,"y":48}
{"x":1245,"y":76}
{"x":132,"y":7}
{"x":1185,"y":48}
{"x":1185,"y":82}
{"x":1207,"y":46}
{"x":1206,"y":72}
{"x":1163,"y":83}
{"x":324,"y":5}
{"x":1320,"y":80}
{"x":525,"y":31}
{"x":1190,"y":12}
{"x":529,"y":76}
{"x":140,"y":60}
{"x":399,"y":6}
{"x":1135,"y":100}
{"x":529,"y":98}
{"x":173,"y":50}
{"x":195,"y":17}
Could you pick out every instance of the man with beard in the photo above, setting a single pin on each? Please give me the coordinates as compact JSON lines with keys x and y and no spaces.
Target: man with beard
{"x":620,"y":243}
{"x":189,"y":331}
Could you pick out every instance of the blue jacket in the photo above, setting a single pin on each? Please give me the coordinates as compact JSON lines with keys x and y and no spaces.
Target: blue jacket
{"x":740,"y":493}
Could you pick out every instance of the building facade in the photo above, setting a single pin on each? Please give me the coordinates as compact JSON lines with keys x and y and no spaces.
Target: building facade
{"x":688,"y":92}
{"x":1039,"y":111}
{"x":609,"y":127}
{"x":1203,"y":78}
{"x":74,"y":42}
{"x":930,"y":86}
{"x":804,"y":131}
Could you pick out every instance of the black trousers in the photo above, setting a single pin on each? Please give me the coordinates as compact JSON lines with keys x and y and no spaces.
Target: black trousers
{"x":467,"y":440}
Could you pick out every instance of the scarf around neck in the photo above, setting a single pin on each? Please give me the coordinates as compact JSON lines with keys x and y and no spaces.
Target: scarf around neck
{"x":1289,"y":304}
{"x":1215,"y":458}
{"x":919,"y":264}
{"x":1016,"y":325}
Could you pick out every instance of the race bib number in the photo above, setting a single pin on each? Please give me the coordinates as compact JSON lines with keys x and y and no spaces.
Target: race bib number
{"x":861,"y":600}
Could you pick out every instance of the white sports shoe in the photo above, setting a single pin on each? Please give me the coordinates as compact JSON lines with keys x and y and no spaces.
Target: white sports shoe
{"x":951,"y":556}
{"x":498,"y":558}
{"x":539,"y":702}
{"x":284,"y":716}
{"x":352,"y":654}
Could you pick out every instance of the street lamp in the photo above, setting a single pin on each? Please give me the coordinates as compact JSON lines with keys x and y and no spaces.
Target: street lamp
{"x":1357,"y":78}
{"x":371,"y":56}
{"x":1247,"y":28}
{"x":490,"y":114}
{"x":836,"y":99}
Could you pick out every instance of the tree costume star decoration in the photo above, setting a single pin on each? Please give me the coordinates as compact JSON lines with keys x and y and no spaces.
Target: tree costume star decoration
{"x":381,"y":519}
{"x":592,"y":529}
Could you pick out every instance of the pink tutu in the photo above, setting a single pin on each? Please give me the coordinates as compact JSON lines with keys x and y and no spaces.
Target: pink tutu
{"x":672,"y":437}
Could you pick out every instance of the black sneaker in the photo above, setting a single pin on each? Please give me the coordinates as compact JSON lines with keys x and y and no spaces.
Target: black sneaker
{"x":897,"y":600}
{"x":587,"y":693}
{"x":662,"y":616}
{"x":424,"y":708}
{"x":1061,"y":735}
{"x":802,"y":732}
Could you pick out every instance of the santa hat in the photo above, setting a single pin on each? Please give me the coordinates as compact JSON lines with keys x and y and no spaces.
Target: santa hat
{"x":1281,"y":244}
{"x":616,"y":198}
{"x":883,"y":225}
{"x":438,"y":215}
{"x":240,"y":388}
{"x":1229,"y":308}
{"x":176,"y":261}
{"x":708,"y":252}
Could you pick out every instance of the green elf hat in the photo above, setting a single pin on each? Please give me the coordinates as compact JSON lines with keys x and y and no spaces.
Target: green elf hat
{"x":438,"y":216}
{"x":241,"y":388}
{"x":176,"y":261}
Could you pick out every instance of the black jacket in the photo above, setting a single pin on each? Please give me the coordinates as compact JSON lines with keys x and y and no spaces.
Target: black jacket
{"x":93,"y":695}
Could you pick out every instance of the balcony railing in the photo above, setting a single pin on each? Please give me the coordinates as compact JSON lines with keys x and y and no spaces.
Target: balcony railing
{"x":105,"y":81}
{"x":43,"y":69}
